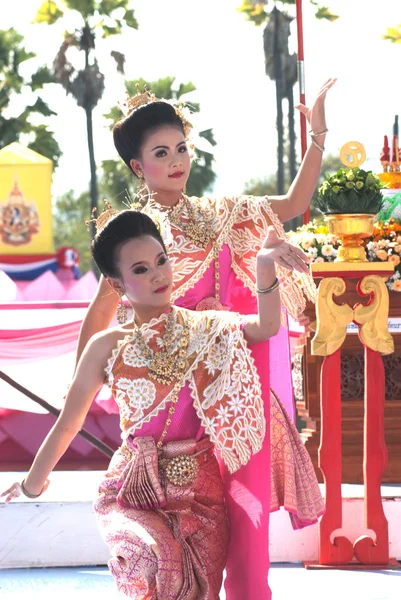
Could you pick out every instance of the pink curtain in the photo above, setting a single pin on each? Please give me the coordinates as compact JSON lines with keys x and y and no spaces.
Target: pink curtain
{"x":30,"y":345}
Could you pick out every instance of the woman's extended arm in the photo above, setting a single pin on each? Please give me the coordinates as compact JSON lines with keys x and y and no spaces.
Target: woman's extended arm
{"x":99,"y":315}
{"x":266,"y":323}
{"x":87,"y":380}
{"x":298,"y":197}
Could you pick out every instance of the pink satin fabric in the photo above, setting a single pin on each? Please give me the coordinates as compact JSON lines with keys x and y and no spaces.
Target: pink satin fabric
{"x":185,"y":423}
{"x":247,"y":492}
{"x":31,"y":345}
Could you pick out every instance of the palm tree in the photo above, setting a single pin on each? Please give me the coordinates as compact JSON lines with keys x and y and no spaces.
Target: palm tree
{"x":281,"y":67}
{"x":12,"y":56}
{"x":96,"y":18}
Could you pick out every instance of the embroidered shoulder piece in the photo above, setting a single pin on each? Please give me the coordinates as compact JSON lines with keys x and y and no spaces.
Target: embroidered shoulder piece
{"x":241,"y":223}
{"x":226,"y":388}
{"x":253,"y":216}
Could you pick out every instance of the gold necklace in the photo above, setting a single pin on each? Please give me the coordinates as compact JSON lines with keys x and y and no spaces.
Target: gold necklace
{"x":199,"y":227}
{"x":167,"y":365}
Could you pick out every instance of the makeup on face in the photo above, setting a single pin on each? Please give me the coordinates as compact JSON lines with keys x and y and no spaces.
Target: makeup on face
{"x":165,"y":160}
{"x":145,"y":271}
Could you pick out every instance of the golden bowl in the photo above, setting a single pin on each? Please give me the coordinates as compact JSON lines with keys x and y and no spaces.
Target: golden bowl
{"x":351,"y":229}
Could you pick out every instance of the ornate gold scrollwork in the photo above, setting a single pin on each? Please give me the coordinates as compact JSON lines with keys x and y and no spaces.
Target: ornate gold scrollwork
{"x":373,"y":318}
{"x":332,"y":319}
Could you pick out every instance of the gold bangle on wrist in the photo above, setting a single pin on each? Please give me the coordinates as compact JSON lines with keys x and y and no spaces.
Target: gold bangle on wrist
{"x":26,"y":493}
{"x":273,"y":287}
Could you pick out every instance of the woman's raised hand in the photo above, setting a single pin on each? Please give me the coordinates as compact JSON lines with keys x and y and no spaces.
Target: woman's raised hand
{"x":283,"y":253}
{"x":316,"y":116}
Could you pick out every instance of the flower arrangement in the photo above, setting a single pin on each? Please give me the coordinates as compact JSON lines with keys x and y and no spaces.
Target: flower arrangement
{"x":383,"y":246}
{"x":316,"y":241}
{"x":350,"y":191}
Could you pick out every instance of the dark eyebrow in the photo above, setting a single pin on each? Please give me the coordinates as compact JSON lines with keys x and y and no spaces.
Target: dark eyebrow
{"x":162,"y":253}
{"x":166,"y":147}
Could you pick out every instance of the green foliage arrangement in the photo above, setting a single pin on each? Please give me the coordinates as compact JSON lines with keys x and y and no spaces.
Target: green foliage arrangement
{"x":350,"y":191}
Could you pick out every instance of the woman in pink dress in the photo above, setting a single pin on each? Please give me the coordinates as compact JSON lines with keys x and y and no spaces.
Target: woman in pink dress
{"x":212,"y":245}
{"x":187,"y":390}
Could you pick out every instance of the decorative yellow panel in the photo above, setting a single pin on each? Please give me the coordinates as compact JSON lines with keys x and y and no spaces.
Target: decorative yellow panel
{"x":25,"y":202}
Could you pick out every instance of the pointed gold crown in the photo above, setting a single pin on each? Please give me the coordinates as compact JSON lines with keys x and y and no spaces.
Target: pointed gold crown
{"x":147,"y":97}
{"x":107,"y":213}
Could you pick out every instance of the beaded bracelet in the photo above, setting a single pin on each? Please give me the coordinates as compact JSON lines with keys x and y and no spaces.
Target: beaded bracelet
{"x":273,"y":287}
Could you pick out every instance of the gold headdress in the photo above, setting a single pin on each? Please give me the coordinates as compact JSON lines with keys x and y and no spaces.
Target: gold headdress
{"x":107,"y":213}
{"x":147,"y":97}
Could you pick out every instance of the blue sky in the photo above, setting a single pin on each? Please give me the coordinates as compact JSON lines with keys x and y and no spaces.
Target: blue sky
{"x":211,"y":44}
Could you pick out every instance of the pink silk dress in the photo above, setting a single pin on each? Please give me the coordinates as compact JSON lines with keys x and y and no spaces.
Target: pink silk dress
{"x":247,"y":492}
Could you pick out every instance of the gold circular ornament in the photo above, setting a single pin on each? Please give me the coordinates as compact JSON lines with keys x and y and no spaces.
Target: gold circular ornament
{"x":182,"y":470}
{"x":352,"y":154}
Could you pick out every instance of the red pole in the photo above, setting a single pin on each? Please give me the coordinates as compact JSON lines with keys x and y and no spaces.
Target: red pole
{"x":301,"y":82}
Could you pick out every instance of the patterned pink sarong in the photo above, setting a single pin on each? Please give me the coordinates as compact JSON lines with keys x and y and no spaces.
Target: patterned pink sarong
{"x":175,"y":552}
{"x":293,"y":481}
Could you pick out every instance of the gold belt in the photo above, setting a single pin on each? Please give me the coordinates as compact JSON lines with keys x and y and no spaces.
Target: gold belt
{"x":182,"y":470}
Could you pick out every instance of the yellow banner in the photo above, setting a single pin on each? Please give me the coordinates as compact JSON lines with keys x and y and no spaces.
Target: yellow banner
{"x":25,"y":202}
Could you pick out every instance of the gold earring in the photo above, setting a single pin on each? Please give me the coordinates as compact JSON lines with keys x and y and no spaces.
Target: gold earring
{"x":122,"y":313}
{"x":184,"y":190}
{"x":142,"y":190}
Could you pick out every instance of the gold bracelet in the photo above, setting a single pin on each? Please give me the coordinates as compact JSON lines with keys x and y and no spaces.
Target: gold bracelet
{"x":273,"y":287}
{"x":26,"y":493}
{"x":321,"y":148}
{"x":313,"y":134}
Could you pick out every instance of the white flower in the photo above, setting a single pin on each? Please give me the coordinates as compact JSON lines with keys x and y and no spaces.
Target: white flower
{"x":217,"y":357}
{"x":327,"y":250}
{"x":237,"y":405}
{"x":141,"y":392}
{"x":132,"y":356}
{"x":224,"y":414}
{"x":248,"y":394}
{"x":319,"y":259}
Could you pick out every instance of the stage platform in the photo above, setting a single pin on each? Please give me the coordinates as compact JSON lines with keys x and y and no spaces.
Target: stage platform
{"x":287,"y":581}
{"x":59,"y":529}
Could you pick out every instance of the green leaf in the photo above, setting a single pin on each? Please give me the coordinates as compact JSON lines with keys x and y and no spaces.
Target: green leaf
{"x":120,"y":60}
{"x":130,"y":19}
{"x":185,"y":88}
{"x":393,"y":34}
{"x":108,"y":31}
{"x":40,"y":78}
{"x":46,"y":144}
{"x":49,"y":12}
{"x":254,"y":12}
{"x":40,"y":107}
{"x":113,"y":115}
{"x":86,"y":8}
{"x":106,"y":7}
{"x":323,"y":12}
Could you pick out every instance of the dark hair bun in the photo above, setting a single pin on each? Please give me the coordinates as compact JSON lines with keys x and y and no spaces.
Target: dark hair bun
{"x":126,"y":225}
{"x":130,"y":132}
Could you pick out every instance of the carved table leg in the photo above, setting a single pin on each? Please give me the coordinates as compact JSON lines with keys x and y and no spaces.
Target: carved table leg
{"x":366,"y":550}
{"x":330,"y":462}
